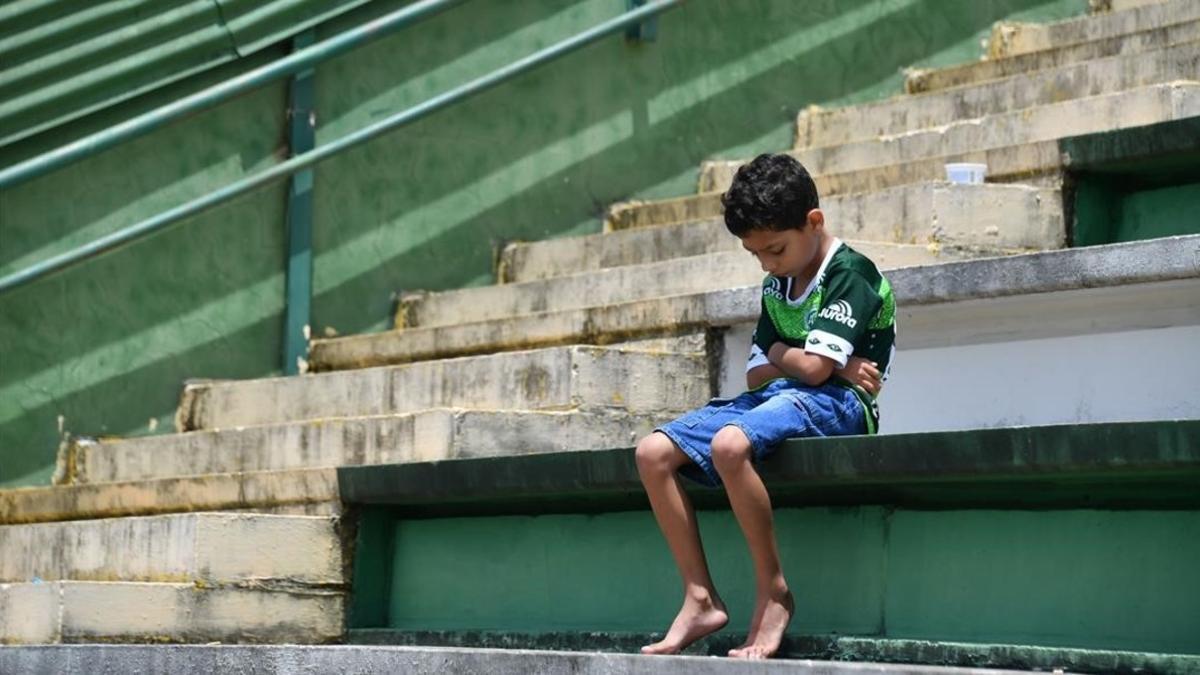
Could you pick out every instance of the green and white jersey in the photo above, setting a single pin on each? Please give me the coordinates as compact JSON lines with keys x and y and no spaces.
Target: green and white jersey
{"x":848,"y":309}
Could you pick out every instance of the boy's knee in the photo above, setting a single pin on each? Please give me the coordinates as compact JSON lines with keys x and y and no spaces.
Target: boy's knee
{"x":654,"y":453}
{"x":730,"y":448}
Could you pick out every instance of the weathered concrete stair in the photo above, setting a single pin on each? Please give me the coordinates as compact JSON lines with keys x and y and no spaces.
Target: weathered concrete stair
{"x":1130,"y":108}
{"x":928,"y":298}
{"x":644,"y":245}
{"x":922,"y":212}
{"x":423,"y":436}
{"x":817,"y":127}
{"x":188,"y":577}
{"x":929,"y":80}
{"x":305,"y":491}
{"x":557,"y":378}
{"x":886,"y":538}
{"x":86,"y":611}
{"x":1011,"y":39}
{"x":294,"y":660}
{"x":211,"y":549}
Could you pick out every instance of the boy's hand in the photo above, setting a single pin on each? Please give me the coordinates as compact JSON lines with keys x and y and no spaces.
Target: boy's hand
{"x":861,"y":372}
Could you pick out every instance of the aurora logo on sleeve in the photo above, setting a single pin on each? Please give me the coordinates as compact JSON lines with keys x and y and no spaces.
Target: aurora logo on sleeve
{"x":840,"y":312}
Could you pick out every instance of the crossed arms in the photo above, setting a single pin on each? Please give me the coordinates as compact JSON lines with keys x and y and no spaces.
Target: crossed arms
{"x":812,"y":369}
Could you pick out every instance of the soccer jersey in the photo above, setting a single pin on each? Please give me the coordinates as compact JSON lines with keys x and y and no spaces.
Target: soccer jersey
{"x":848,"y":309}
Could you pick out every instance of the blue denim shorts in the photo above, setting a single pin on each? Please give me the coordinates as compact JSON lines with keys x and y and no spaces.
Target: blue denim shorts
{"x":781,"y":409}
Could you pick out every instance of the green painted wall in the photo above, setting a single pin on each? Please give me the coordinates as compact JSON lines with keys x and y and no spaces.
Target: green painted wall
{"x":1116,"y":209}
{"x":1124,"y":580}
{"x":107,"y":346}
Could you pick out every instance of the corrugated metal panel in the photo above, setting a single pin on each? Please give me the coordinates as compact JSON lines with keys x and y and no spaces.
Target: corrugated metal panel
{"x":62,"y":59}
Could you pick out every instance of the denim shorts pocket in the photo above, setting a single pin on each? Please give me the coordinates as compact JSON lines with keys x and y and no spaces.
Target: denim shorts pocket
{"x":698,"y":417}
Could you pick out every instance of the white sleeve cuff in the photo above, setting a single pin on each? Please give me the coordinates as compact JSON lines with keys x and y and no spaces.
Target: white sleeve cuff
{"x":757,"y":358}
{"x":830,"y":346}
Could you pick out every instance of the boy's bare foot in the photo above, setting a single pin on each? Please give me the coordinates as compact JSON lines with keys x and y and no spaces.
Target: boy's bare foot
{"x":773,"y":615}
{"x":699,"y":617}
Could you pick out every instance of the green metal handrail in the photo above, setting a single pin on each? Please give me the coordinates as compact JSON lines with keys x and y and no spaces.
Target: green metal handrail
{"x":202,"y":100}
{"x":340,"y":145}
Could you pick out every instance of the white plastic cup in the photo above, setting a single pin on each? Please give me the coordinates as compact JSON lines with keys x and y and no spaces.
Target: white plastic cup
{"x":966,"y":174}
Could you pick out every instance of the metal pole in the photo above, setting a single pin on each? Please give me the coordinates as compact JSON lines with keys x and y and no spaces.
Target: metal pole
{"x":202,"y":100}
{"x":302,"y":121}
{"x":359,"y":137}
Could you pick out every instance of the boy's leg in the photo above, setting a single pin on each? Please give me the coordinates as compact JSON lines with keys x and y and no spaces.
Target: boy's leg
{"x":732,"y":454}
{"x":658,"y":462}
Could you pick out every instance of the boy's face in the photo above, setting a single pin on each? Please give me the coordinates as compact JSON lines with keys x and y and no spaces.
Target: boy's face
{"x":789,"y":253}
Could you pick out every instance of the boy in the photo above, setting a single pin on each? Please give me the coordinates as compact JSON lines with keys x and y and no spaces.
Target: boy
{"x":825,"y":334}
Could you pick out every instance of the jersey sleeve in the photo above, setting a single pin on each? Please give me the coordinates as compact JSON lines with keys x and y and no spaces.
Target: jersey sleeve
{"x":765,"y":335}
{"x":846,"y":310}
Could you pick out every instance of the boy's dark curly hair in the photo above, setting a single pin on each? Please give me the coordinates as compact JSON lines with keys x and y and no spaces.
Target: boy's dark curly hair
{"x":773,"y":192}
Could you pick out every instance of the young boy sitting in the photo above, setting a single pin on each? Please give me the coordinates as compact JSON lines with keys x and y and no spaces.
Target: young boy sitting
{"x":824,"y":337}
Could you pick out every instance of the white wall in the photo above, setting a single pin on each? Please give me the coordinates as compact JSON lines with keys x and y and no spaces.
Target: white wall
{"x":1143,"y":374}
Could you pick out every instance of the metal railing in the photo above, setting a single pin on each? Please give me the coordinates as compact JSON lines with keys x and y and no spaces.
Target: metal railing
{"x":297,"y":62}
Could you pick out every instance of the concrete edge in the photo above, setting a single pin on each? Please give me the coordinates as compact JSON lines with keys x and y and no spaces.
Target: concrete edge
{"x":844,"y":649}
{"x":309,"y":660}
{"x":1143,"y":262}
{"x":213,"y":492}
{"x":1071,"y":464}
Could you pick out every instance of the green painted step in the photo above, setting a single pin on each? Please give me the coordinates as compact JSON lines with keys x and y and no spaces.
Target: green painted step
{"x":1107,"y":465}
{"x":990,"y":536}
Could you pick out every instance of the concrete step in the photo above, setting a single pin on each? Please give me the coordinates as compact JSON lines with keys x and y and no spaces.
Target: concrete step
{"x":1099,"y":6}
{"x":425,"y":436}
{"x":211,"y":549}
{"x":86,"y":611}
{"x":295,"y":491}
{"x":969,"y":217}
{"x":1038,"y":161}
{"x":817,"y":127}
{"x":1010,"y":38}
{"x":605,"y":286}
{"x":560,"y":378}
{"x":1133,"y":107}
{"x":598,"y":325}
{"x":903,"y":215}
{"x":882,"y":215}
{"x":921,"y":80}
{"x":896,"y":520}
{"x":297,"y":660}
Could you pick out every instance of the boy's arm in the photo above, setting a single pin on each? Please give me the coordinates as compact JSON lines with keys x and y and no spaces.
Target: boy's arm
{"x":858,"y":371}
{"x":794,"y":362}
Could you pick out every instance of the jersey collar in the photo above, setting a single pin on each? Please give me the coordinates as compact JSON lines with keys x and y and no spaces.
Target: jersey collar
{"x":833,"y":248}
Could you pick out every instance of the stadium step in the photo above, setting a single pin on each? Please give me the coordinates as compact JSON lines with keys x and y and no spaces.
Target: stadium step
{"x":645,"y":245}
{"x":294,"y":491}
{"x":921,"y":155}
{"x":818,"y":127}
{"x":204,"y":659}
{"x":879,"y":214}
{"x":886,"y":537}
{"x":1131,"y":108}
{"x":936,"y":79}
{"x":424,"y":436}
{"x":557,"y":378}
{"x":1011,"y":39}
{"x":210,"y":549}
{"x":86,"y":611}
